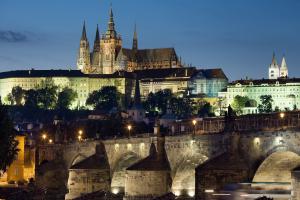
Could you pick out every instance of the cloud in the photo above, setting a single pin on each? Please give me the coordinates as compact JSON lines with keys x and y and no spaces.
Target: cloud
{"x":12,"y":36}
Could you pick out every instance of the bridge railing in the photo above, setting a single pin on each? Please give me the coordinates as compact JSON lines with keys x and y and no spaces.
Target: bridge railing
{"x":255,"y":122}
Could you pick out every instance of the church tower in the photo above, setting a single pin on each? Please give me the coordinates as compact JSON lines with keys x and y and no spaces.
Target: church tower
{"x":135,"y":40}
{"x":110,"y":45}
{"x":83,"y":58}
{"x":283,"y":68}
{"x":274,"y":69}
{"x":96,"y":61}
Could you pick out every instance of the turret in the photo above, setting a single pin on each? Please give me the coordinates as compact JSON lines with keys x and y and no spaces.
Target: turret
{"x":283,"y":68}
{"x":111,"y":32}
{"x":110,"y":45}
{"x":83,"y":59}
{"x":135,"y":39}
{"x":96,"y":53}
{"x":273,"y":69}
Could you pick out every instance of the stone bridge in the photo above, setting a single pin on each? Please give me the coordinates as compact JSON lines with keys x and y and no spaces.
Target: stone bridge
{"x":270,"y":145}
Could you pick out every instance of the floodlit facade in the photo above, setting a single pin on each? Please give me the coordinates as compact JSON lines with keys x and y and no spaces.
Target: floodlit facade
{"x":81,"y":83}
{"x":285,"y":93}
{"x":23,"y":167}
{"x":151,"y":80}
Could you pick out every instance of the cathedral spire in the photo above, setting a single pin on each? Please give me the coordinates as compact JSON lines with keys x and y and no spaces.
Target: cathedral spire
{"x":83,"y":36}
{"x":97,"y":41}
{"x":97,"y":37}
{"x":111,"y":32}
{"x":283,"y":62}
{"x":283,"y":68}
{"x":274,"y":62}
{"x":135,"y":39}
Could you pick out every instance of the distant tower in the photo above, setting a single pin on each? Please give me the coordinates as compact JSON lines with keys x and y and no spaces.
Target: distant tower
{"x":273,"y":69}
{"x":135,"y":39}
{"x":96,"y":54}
{"x":110,"y":46}
{"x":283,"y":68}
{"x":83,"y":59}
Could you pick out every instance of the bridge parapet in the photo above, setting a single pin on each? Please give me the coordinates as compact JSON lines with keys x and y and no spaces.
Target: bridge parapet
{"x":253,"y":122}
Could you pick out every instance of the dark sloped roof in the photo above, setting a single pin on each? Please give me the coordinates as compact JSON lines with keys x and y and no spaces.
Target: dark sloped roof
{"x":214,"y":73}
{"x":42,"y":73}
{"x":146,"y":55}
{"x":154,"y":162}
{"x":180,"y":72}
{"x":267,"y":81}
{"x":95,"y":161}
{"x":166,"y":72}
{"x":62,"y":73}
{"x":160,"y":54}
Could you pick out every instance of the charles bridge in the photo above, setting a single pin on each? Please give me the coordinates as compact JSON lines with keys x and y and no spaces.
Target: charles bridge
{"x":268,"y":144}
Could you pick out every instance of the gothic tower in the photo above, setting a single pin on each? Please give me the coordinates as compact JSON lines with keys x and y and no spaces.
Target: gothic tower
{"x":273,"y":69}
{"x":83,"y":58}
{"x":283,"y":68}
{"x":135,"y":40}
{"x":96,"y":61}
{"x":110,"y":46}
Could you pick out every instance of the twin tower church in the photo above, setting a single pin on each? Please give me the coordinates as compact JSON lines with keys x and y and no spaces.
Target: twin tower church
{"x":108,"y":54}
{"x":276,"y":71}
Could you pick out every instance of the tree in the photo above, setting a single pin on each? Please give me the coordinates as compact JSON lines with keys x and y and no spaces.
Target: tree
{"x":16,"y":95}
{"x":266,"y":104}
{"x":9,"y":99}
{"x":65,"y":98}
{"x":31,"y":98}
{"x":8,"y":144}
{"x":181,"y":106}
{"x":104,"y":99}
{"x":158,"y":101}
{"x":47,"y":97}
{"x":206,"y":110}
{"x":239,"y":102}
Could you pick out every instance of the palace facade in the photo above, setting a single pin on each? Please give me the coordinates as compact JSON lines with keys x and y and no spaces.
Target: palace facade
{"x":284,"y":90}
{"x":207,"y":82}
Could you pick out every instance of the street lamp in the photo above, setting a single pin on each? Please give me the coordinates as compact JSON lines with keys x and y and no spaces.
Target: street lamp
{"x":44,"y":136}
{"x":129,"y":129}
{"x":282,"y":115}
{"x":50,"y":141}
{"x":79,"y":138}
{"x":80,"y":132}
{"x":194,"y":123}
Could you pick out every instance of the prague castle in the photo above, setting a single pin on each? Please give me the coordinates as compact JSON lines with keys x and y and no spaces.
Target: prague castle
{"x":109,"y":64}
{"x":109,"y":56}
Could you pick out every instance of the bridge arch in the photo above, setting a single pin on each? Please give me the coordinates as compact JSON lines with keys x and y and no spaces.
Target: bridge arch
{"x":76,"y":159}
{"x":276,"y":166}
{"x":119,"y":169}
{"x":183,"y":182}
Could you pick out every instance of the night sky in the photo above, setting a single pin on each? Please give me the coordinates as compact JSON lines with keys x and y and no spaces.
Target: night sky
{"x":236,"y":35}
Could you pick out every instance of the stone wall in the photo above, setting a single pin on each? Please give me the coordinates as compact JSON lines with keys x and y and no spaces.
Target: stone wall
{"x":143,"y":184}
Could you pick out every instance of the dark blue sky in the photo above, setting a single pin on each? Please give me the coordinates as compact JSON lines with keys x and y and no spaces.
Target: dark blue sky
{"x":236,"y":35}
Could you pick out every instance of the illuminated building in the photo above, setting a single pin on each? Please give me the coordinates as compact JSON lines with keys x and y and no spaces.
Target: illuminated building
{"x":109,"y":56}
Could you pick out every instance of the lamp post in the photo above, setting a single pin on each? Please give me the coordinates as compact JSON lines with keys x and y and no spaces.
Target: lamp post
{"x":194,"y":123}
{"x":50,"y":141}
{"x":129,"y":129}
{"x":44,"y":137}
